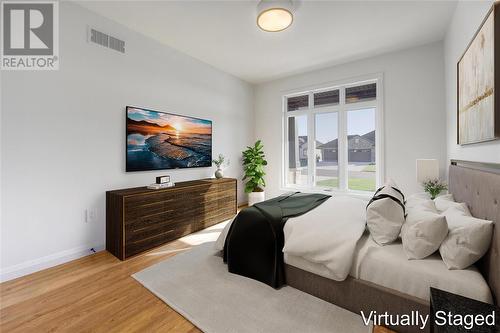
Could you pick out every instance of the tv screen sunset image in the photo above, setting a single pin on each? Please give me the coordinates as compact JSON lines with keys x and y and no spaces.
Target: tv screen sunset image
{"x":158,"y":140}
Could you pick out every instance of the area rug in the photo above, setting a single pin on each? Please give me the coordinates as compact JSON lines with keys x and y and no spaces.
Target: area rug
{"x":197,"y":285}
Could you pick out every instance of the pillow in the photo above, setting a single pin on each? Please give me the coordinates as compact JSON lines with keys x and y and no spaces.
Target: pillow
{"x":468,"y":239}
{"x":423,"y":231}
{"x":385,"y":214}
{"x":391,"y":182}
{"x":460,"y":208}
{"x":419,"y":198}
{"x":446,"y":201}
{"x":420,"y":204}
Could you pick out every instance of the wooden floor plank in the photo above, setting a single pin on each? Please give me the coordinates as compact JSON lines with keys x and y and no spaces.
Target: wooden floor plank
{"x":96,"y":294}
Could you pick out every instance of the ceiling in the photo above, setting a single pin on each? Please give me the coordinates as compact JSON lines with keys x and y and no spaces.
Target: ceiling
{"x":224,"y":34}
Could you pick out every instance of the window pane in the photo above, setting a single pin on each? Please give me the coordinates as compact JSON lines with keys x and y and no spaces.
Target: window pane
{"x":297,"y":102}
{"x":297,"y":150}
{"x":326,"y":98}
{"x":361,"y":150}
{"x":327,"y":150}
{"x":366,"y":92}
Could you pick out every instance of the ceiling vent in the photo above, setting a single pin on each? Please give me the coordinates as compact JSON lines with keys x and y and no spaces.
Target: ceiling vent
{"x":102,"y":39}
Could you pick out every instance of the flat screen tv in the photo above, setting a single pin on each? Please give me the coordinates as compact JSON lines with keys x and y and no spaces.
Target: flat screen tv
{"x":158,"y":140}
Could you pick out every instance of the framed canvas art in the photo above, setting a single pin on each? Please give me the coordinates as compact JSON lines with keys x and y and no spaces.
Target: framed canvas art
{"x":478,"y":85}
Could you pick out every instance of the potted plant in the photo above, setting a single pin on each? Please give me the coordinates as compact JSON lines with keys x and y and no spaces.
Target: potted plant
{"x":218,"y":163}
{"x":434,"y":187}
{"x":253,"y":165}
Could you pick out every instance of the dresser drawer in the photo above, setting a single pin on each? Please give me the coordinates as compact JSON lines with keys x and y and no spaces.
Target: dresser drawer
{"x":149,"y":199}
{"x":148,"y":240}
{"x":158,"y":228}
{"x":139,"y":219}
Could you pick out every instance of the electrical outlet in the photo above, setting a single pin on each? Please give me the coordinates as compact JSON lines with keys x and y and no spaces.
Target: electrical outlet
{"x":90,"y":215}
{"x":93,"y":215}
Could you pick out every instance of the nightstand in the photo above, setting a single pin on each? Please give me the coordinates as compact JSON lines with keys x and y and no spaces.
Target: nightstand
{"x":463,"y":310}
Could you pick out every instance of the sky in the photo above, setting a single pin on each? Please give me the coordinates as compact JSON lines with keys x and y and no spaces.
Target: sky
{"x":358,"y":122}
{"x":180,"y":123}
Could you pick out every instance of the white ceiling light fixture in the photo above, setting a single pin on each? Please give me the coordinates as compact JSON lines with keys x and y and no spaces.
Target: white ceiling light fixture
{"x":274,"y":15}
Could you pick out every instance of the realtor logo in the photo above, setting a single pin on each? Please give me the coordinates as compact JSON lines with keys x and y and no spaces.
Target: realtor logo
{"x":30,"y":35}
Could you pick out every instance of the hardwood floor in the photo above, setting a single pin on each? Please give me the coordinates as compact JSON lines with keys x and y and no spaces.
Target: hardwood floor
{"x":96,"y":294}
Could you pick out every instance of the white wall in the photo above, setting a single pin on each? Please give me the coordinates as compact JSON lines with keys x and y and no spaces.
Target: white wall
{"x":464,"y":24}
{"x":414,"y":110}
{"x":63,"y":135}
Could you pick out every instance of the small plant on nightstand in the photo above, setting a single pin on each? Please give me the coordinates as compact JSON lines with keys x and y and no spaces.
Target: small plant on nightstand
{"x":434,"y":187}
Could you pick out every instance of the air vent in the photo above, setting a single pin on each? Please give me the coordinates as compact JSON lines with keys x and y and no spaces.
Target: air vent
{"x":100,"y":38}
{"x":116,"y":44}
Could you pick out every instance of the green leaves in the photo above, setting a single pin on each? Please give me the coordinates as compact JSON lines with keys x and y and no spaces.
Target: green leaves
{"x":253,"y":162}
{"x":219,"y":161}
{"x":434,"y":187}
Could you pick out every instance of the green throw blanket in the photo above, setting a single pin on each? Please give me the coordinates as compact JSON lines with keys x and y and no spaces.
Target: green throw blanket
{"x":255,"y":239}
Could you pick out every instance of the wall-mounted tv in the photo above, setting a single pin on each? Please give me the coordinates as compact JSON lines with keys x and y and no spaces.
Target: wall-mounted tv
{"x":158,"y":140}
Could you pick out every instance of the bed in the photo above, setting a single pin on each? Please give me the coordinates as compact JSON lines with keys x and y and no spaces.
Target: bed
{"x":382,"y":279}
{"x":387,"y":266}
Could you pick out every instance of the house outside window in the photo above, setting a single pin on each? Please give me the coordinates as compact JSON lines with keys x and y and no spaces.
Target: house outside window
{"x":333,"y":137}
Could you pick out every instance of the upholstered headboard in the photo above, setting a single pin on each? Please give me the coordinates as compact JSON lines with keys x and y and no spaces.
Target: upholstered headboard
{"x":478,"y":185}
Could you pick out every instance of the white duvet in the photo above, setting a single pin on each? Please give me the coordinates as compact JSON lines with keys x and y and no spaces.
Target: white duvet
{"x":326,"y":235}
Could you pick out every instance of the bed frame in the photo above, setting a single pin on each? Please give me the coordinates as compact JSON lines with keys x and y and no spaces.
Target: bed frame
{"x":478,"y":185}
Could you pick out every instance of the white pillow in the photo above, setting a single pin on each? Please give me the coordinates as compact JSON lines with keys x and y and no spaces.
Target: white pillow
{"x":416,"y":199}
{"x":385,"y":214}
{"x":468,"y":239}
{"x":419,"y":198}
{"x":460,"y":208}
{"x":391,"y":182}
{"x":423,"y":231}
{"x":446,"y":201}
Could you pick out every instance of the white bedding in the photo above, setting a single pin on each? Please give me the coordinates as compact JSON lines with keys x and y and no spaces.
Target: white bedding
{"x":327,"y":235}
{"x":388,"y":266}
{"x":329,"y":241}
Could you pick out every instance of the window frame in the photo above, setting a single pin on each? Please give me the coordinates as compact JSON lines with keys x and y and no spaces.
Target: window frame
{"x":342,"y":109}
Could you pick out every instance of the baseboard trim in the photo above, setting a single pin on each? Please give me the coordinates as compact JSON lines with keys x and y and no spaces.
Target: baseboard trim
{"x":35,"y":265}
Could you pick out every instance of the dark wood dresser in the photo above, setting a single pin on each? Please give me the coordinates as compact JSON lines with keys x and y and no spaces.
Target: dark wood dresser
{"x":139,"y":219}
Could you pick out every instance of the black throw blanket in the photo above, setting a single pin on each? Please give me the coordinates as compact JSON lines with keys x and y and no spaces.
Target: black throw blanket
{"x":255,"y":239}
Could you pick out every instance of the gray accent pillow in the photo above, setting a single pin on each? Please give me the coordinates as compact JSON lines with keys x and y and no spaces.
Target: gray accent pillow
{"x":444,"y":202}
{"x":423,"y":230}
{"x":468,"y":239}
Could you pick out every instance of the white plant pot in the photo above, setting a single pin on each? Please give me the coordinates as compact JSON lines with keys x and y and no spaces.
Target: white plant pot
{"x":256,"y":197}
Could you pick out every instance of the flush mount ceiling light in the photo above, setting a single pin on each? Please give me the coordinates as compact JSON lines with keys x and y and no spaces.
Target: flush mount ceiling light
{"x":274,"y":15}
